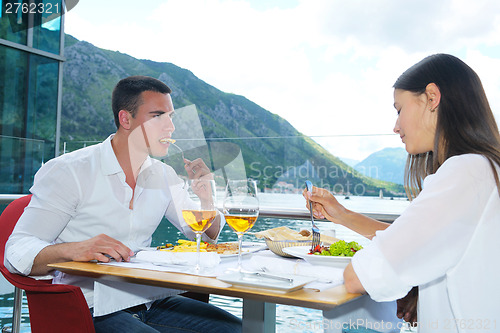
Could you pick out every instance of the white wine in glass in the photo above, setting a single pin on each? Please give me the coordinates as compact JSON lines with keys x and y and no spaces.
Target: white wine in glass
{"x":199,"y":210}
{"x":241,"y":208}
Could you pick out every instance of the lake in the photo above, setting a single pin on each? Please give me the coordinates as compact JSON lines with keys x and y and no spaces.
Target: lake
{"x":286,"y":315}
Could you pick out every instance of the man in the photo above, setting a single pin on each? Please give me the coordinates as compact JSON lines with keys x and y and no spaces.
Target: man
{"x":105,"y":201}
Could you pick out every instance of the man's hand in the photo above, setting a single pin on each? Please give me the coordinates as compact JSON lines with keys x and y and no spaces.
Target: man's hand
{"x":101,"y":248}
{"x":407,"y":307}
{"x":197,"y":169}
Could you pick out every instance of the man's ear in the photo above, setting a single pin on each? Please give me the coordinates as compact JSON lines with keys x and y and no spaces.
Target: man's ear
{"x":433,"y":95}
{"x":124,"y":118}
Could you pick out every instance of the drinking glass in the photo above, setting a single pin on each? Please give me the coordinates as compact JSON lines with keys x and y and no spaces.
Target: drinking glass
{"x":199,"y":209}
{"x":241,"y":208}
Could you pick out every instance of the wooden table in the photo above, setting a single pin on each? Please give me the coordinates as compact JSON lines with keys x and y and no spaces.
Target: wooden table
{"x":259,"y":306}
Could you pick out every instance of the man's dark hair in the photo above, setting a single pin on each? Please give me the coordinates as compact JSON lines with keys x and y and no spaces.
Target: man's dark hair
{"x":127,"y":93}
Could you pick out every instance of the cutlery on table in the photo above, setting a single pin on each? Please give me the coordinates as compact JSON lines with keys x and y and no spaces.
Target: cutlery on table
{"x":268,"y":276}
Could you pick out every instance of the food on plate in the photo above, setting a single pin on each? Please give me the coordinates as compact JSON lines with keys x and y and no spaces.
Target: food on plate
{"x":339,"y":249}
{"x":166,"y":246}
{"x":190,"y":246}
{"x":223,"y":248}
{"x":285,"y":233}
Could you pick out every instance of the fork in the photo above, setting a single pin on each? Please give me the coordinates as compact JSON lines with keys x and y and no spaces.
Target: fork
{"x":316,"y":237}
{"x":172,"y":142}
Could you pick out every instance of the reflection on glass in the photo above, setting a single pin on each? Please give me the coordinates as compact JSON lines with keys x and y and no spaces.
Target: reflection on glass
{"x":46,"y":33}
{"x":28,"y":112}
{"x":13,"y":25}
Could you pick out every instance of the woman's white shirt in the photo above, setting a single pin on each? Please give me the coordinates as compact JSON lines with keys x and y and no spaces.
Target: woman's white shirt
{"x":445,"y":242}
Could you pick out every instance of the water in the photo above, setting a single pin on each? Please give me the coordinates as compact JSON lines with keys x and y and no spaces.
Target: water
{"x":286,"y":315}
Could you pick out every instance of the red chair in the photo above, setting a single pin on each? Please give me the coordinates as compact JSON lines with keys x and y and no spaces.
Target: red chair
{"x":52,"y":307}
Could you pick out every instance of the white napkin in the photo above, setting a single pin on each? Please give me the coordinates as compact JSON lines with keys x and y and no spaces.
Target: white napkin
{"x":327,"y":276}
{"x":207,"y":259}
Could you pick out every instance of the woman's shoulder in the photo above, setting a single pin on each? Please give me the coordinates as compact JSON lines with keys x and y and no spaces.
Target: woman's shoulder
{"x":472,"y":166}
{"x":466,"y":161}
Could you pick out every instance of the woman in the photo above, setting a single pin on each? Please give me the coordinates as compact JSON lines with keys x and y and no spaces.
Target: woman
{"x":445,"y":242}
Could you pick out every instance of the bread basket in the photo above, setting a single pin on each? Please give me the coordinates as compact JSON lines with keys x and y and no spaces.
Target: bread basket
{"x":277,"y":246}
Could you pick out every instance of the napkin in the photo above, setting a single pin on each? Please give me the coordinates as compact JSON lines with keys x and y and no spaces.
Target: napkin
{"x":207,"y":259}
{"x":332,"y":276}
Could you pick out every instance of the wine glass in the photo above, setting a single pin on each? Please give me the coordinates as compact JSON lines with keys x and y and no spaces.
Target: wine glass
{"x":199,"y":210}
{"x":241,"y":208}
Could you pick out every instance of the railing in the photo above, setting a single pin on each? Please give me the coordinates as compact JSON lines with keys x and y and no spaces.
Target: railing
{"x":276,"y":212}
{"x":6,"y":199}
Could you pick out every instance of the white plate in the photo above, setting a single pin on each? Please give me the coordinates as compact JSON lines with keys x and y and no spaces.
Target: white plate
{"x":246,"y":248}
{"x":303,"y":252}
{"x":256,"y":281}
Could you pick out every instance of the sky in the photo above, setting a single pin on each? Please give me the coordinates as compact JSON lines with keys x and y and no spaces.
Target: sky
{"x":326,"y":66}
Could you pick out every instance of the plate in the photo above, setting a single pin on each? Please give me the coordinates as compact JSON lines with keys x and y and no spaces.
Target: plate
{"x":255,"y":281}
{"x":246,"y":248}
{"x":303,"y":252}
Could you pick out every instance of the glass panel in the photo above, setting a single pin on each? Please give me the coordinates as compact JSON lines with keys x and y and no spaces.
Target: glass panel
{"x":28,"y":111}
{"x":13,"y":23}
{"x":282,"y":159}
{"x":13,"y":69}
{"x":46,"y":31}
{"x":42,"y":102}
{"x":365,"y":173}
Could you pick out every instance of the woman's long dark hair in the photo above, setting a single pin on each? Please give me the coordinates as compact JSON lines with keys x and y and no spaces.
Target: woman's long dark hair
{"x":465,"y":122}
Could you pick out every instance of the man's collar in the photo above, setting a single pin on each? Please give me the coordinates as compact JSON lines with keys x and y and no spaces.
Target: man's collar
{"x":109,"y":162}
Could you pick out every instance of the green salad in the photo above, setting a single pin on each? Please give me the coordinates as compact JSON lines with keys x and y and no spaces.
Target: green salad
{"x":340,"y":249}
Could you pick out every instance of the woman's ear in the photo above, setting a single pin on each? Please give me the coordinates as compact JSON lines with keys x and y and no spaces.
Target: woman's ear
{"x":124,"y":118}
{"x":433,"y":96}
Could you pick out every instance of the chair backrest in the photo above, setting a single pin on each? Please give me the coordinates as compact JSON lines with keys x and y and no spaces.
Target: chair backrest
{"x":52,"y":307}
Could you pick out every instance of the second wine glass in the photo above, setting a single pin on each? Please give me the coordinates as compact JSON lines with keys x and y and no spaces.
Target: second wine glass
{"x":241,"y":208}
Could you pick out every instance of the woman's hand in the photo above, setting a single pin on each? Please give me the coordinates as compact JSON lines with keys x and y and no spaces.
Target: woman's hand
{"x":324,"y":204}
{"x":407,"y":307}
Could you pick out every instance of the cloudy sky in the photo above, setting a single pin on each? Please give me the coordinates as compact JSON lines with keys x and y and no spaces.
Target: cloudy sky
{"x":326,"y":66}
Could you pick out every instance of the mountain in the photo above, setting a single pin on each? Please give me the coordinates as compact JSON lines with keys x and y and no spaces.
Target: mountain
{"x":271,"y":145}
{"x":349,"y":161}
{"x":386,"y":164}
